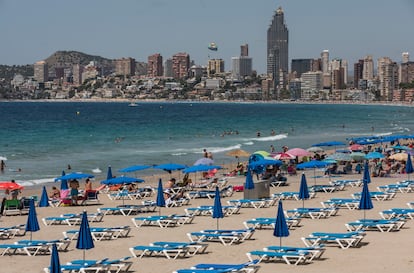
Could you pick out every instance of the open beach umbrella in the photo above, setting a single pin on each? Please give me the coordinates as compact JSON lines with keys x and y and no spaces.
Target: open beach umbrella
{"x":134,"y":168}
{"x":409,"y":167}
{"x":85,"y":240}
{"x":365,"y":203}
{"x":54,"y":261}
{"x":109,"y":173}
{"x":284,"y":156}
{"x":63,"y":182}
{"x":313,"y":164}
{"x":201,"y":168}
{"x":249,"y":184}
{"x":204,"y":161}
{"x":32,"y":224}
{"x":122,"y":180}
{"x":281,"y":227}
{"x":356,"y":147}
{"x":8,"y":185}
{"x":315,"y":149}
{"x":298,"y":152}
{"x":44,"y":199}
{"x":160,"y":202}
{"x":74,"y":176}
{"x":303,"y":190}
{"x":328,"y":144}
{"x":357,"y":156}
{"x":374,"y":155}
{"x":399,"y":156}
{"x":170,"y":167}
{"x":366,"y":176}
{"x":217,"y":208}
{"x":238,"y":153}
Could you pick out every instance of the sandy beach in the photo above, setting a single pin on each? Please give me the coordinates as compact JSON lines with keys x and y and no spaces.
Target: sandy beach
{"x":379,"y":252}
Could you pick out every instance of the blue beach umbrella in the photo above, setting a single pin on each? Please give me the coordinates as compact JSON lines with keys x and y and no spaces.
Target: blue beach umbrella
{"x":32,"y":224}
{"x":74,"y":176}
{"x":64,"y":182}
{"x":313,"y":164}
{"x":303,"y":190}
{"x":54,"y":261}
{"x":366,"y":177}
{"x":44,"y":199}
{"x":109,"y":173}
{"x":217,"y":208}
{"x":134,"y":168}
{"x":122,"y":180}
{"x":409,"y":166}
{"x":200,"y":168}
{"x":170,"y":167}
{"x":365,"y":203}
{"x":328,"y":144}
{"x":160,"y":202}
{"x":249,"y":185}
{"x":281,"y":227}
{"x":85,"y":240}
{"x":374,"y":155}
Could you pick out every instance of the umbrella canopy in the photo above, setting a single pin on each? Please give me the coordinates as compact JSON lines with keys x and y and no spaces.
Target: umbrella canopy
{"x":298,"y":152}
{"x":32,"y":224}
{"x":85,"y":240}
{"x":315,"y":149}
{"x":160,"y":202}
{"x":281,"y":227}
{"x":74,"y":176}
{"x":109,"y":173}
{"x":356,"y":147}
{"x":284,"y":156}
{"x":54,"y":261}
{"x":409,"y":167}
{"x":249,"y":181}
{"x":204,"y":161}
{"x":262,"y":153}
{"x":340,"y":157}
{"x":399,"y":156}
{"x":201,"y":168}
{"x":374,"y":155}
{"x":63,"y":182}
{"x":44,"y":199}
{"x":122,"y":180}
{"x":217,"y":208}
{"x":303,"y":190}
{"x":365,"y":203}
{"x":357,"y":156}
{"x":170,"y":167}
{"x":328,"y":144}
{"x":366,"y":177}
{"x":8,"y":185}
{"x":238,"y":153}
{"x":268,"y":161}
{"x":134,"y":168}
{"x":313,"y":164}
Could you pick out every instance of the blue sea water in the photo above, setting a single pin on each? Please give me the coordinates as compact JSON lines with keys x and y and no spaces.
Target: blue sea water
{"x":42,"y":138}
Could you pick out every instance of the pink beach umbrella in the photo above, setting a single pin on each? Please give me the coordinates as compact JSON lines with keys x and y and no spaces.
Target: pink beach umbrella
{"x":298,"y":152}
{"x":283,"y":156}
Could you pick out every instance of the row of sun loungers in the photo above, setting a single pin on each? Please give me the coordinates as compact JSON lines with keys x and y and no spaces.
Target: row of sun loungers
{"x":343,"y":240}
{"x":163,"y":221}
{"x":71,"y":219}
{"x":169,"y":250}
{"x":226,"y":237}
{"x":11,"y":232}
{"x":101,"y":233}
{"x":33,"y":247}
{"x":382,"y":225}
{"x":127,"y":210}
{"x":269,"y":222}
{"x":208,"y":210}
{"x":248,"y":267}
{"x":96,"y":266}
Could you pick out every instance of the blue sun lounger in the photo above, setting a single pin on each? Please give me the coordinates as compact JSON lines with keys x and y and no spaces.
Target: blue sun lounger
{"x":170,"y":252}
{"x":193,"y":247}
{"x":315,"y":251}
{"x":248,"y":267}
{"x":293,"y":257}
{"x":343,"y":240}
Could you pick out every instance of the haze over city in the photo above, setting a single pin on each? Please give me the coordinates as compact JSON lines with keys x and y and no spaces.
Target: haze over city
{"x":32,"y":31}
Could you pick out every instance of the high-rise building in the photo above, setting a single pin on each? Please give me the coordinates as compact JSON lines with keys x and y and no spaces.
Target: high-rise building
{"x":168,"y":71}
{"x":358,"y":68}
{"x":215,"y":66}
{"x":325,"y":61}
{"x":241,"y":67}
{"x":125,"y":66}
{"x":388,"y":77}
{"x":407,"y":72}
{"x":339,"y":73}
{"x":155,"y":66}
{"x":41,"y":72}
{"x":301,"y":66}
{"x":277,"y":47}
{"x":77,"y":71}
{"x":244,"y":50}
{"x":405,"y":57}
{"x":368,"y":69}
{"x":180,"y":65}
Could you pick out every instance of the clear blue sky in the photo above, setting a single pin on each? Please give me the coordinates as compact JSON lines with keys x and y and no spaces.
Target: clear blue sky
{"x":33,"y":30}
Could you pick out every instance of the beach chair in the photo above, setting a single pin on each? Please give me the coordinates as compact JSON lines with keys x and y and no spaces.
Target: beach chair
{"x":193,"y":247}
{"x":90,"y":196}
{"x":224,"y":238}
{"x":169,"y":252}
{"x":247,"y":267}
{"x":12,"y":207}
{"x":397,"y":213}
{"x":382,"y":225}
{"x":12,"y":231}
{"x":290,"y":257}
{"x":65,"y":199}
{"x":343,"y":240}
{"x":61,"y":244}
{"x":315,"y":251}
{"x":27,"y":249}
{"x":162,"y":221}
{"x":83,"y":266}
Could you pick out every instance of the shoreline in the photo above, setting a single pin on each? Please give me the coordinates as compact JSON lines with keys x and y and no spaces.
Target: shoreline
{"x":122,"y":100}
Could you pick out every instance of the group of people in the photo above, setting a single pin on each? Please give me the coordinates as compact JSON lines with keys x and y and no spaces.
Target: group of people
{"x":74,"y":191}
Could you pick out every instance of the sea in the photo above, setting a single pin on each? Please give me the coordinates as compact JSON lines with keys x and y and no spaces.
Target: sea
{"x":42,"y":139}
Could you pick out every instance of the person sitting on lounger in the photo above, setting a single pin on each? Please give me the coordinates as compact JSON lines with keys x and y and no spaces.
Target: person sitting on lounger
{"x":55,"y":193}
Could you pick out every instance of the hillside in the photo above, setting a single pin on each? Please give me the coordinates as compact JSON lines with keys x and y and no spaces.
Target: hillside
{"x":68,"y":58}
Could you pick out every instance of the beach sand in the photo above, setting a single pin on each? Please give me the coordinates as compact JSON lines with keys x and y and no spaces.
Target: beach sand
{"x":380,"y":252}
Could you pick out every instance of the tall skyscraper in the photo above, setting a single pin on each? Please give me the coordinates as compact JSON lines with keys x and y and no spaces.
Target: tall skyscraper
{"x":368,"y":70}
{"x":241,"y":67}
{"x":155,"y":65}
{"x":41,"y":72}
{"x":325,"y":61}
{"x":180,"y":65}
{"x":388,"y":77}
{"x":277,"y":47}
{"x":358,"y":69}
{"x":215,"y":66}
{"x":244,"y":50}
{"x":405,"y":57}
{"x":301,"y":66}
{"x":125,"y":66}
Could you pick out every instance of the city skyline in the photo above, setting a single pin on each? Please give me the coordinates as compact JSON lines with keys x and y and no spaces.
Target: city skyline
{"x":32,"y":31}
